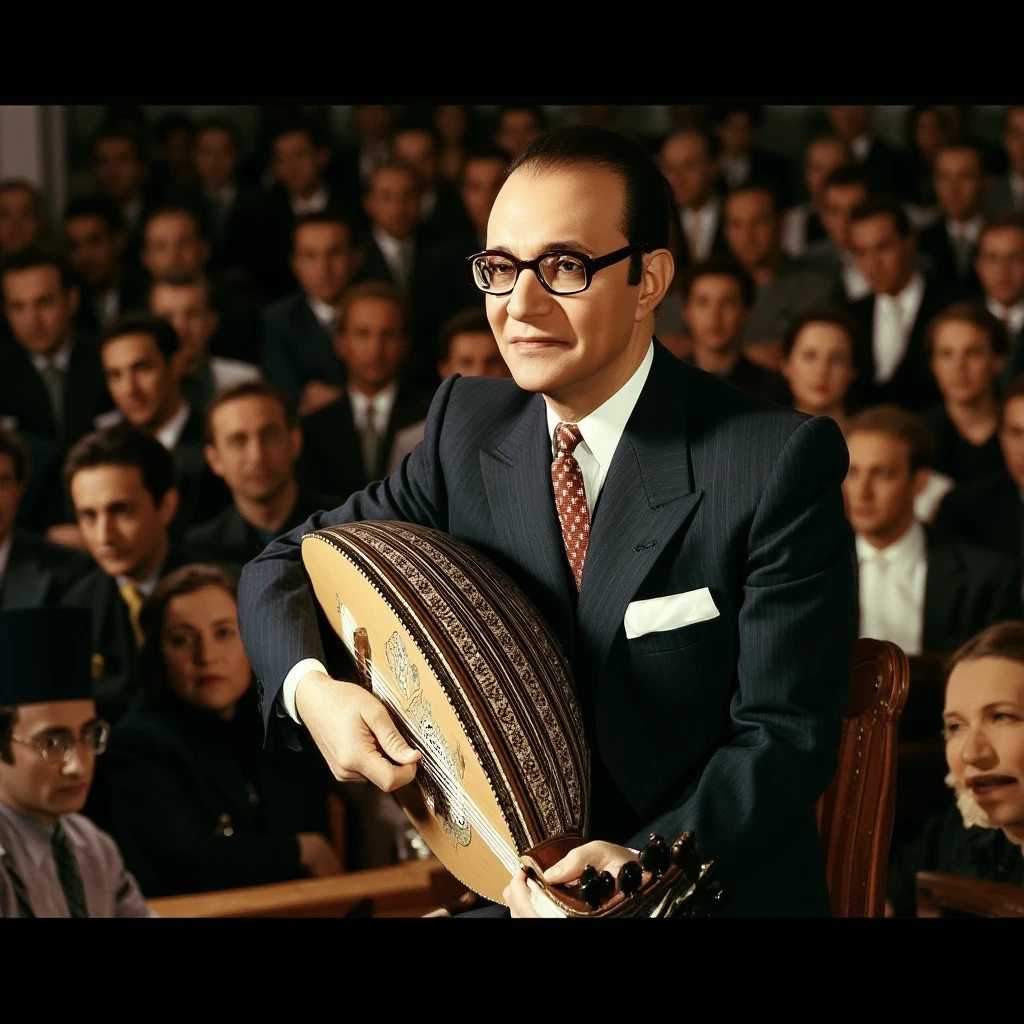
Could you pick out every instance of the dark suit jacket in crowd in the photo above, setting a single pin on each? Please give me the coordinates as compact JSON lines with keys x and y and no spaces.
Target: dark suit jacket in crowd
{"x":767,"y":168}
{"x":987,"y":512}
{"x":728,"y":726}
{"x":196,"y":805}
{"x":229,"y":541}
{"x":332,"y":462}
{"x":1000,"y":198}
{"x":447,"y":287}
{"x":44,"y":502}
{"x":297,"y":348}
{"x":203,"y":493}
{"x":966,"y":589}
{"x":39,"y":573}
{"x":912,"y":385}
{"x":448,"y":217}
{"x":115,"y":677}
{"x":240,"y":331}
{"x":23,"y":394}
{"x":955,"y":456}
{"x":935,"y":242}
{"x":719,"y":246}
{"x":888,"y":169}
{"x":132,"y":297}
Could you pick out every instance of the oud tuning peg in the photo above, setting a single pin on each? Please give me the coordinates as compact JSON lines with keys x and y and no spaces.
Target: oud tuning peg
{"x":607,"y":884}
{"x":588,"y":875}
{"x":593,"y":892}
{"x":630,"y":877}
{"x":655,"y":857}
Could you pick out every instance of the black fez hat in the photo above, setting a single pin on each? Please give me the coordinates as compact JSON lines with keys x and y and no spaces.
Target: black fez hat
{"x":45,"y":655}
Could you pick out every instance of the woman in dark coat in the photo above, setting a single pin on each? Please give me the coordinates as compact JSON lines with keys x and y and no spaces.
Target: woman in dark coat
{"x":195,"y":801}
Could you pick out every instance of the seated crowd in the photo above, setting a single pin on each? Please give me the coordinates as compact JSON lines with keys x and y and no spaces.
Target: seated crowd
{"x":216,"y":345}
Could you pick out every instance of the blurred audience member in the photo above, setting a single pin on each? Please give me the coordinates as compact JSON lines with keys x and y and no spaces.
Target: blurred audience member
{"x":348,"y":444}
{"x":952,"y":240}
{"x":966,"y":348}
{"x":21,"y":216}
{"x":918,"y":587}
{"x":32,"y":571}
{"x":1007,"y":193}
{"x":926,"y":133}
{"x":801,"y":224}
{"x":999,"y":263}
{"x":54,"y":862}
{"x":843,"y":191}
{"x":121,"y":482}
{"x":94,"y":238}
{"x":176,"y":143}
{"x":784,"y":286}
{"x":298,"y":351}
{"x":884,"y":164}
{"x":119,"y":167}
{"x":893,"y":318}
{"x":352,"y":167}
{"x":456,"y":125}
{"x":742,"y":160}
{"x":819,"y":362}
{"x":517,"y":124}
{"x":184,"y":299}
{"x":51,"y":381}
{"x":195,"y":800}
{"x":252,"y":444}
{"x":689,"y":160}
{"x":982,"y":834}
{"x":718,"y":297}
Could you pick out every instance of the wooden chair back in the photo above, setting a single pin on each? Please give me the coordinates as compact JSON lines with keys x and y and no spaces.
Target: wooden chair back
{"x":938,"y":893}
{"x":855,"y":814}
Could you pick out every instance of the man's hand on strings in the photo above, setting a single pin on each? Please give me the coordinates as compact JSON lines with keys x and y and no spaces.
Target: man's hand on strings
{"x":604,"y":857}
{"x":354,"y":732}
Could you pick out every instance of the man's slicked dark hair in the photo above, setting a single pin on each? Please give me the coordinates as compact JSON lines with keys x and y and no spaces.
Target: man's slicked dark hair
{"x":123,"y":445}
{"x":160,"y":330}
{"x":648,"y":205}
{"x":99,"y":207}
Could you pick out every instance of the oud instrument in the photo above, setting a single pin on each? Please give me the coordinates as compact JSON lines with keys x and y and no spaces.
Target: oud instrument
{"x":474,"y":679}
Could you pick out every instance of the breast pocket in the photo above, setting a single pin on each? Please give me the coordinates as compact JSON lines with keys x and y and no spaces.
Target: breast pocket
{"x":677,"y":639}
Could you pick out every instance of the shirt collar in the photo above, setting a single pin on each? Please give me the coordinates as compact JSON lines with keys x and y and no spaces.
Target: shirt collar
{"x":322,"y":311}
{"x":225,"y":195}
{"x":706,"y":212}
{"x":5,"y":555}
{"x":1012,"y":316}
{"x":391,"y":247}
{"x":145,"y":587}
{"x":60,"y":359}
{"x":909,"y":299}
{"x":861,"y":146}
{"x":603,"y":428}
{"x":36,"y":836}
{"x":908,"y":550}
{"x":382,"y":402}
{"x":969,"y":229}
{"x":170,"y":433}
{"x":314,"y":204}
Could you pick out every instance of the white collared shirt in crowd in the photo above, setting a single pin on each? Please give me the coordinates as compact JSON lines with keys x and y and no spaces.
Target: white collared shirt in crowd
{"x":861,"y":147}
{"x":379,"y":407}
{"x":894,"y":319}
{"x":314,"y":204}
{"x":735,"y":169}
{"x":323,"y":312}
{"x":1012,"y":316}
{"x":397,"y":253}
{"x":5,"y":555}
{"x":700,"y":226}
{"x":170,"y":433}
{"x":60,"y":359}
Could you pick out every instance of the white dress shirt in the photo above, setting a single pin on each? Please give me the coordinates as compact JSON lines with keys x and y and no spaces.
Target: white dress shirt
{"x":170,"y":433}
{"x":855,"y":281}
{"x":894,"y":318}
{"x":735,"y":169}
{"x":5,"y":556}
{"x":1012,"y":316}
{"x":379,"y":407}
{"x":146,"y":586}
{"x":397,"y":253}
{"x":60,"y":359}
{"x":794,"y":229}
{"x":861,"y":147}
{"x":700,"y":226}
{"x":323,"y":312}
{"x":314,"y":204}
{"x":892,"y":585}
{"x":601,"y":432}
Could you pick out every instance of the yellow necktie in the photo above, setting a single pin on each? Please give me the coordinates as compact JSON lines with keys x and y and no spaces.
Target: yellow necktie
{"x":132,"y":597}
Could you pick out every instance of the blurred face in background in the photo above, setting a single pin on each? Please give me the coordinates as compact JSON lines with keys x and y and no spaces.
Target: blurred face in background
{"x":187,"y":307}
{"x":298,"y":163}
{"x":687,"y":164}
{"x":119,"y":169}
{"x":10,"y":495}
{"x":516,"y":129}
{"x":999,"y":263}
{"x":929,"y":134}
{"x":714,"y":312}
{"x":94,"y":250}
{"x":393,"y":201}
{"x":202,"y":650}
{"x":823,"y":156}
{"x":172,"y":243}
{"x":372,"y":121}
{"x":1013,"y":139}
{"x":1011,"y":439}
{"x":837,"y":203}
{"x":737,"y":133}
{"x":474,"y":354}
{"x":452,"y":122}
{"x":879,"y":488}
{"x":416,"y":149}
{"x":885,"y":258}
{"x":850,"y":122}
{"x":216,"y":158}
{"x":752,"y":228}
{"x":820,"y":368}
{"x":481,"y":183}
{"x":959,"y":183}
{"x":254,"y":447}
{"x":142,"y":381}
{"x":39,"y":308}
{"x":20,"y":219}
{"x":963,"y":362}
{"x":324,"y":260}
{"x":372,"y":343}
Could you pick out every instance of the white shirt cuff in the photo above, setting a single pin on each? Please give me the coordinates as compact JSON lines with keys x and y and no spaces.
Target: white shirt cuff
{"x":291,"y":683}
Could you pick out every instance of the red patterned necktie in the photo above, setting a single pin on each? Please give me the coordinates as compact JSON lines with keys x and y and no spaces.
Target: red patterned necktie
{"x":571,"y":498}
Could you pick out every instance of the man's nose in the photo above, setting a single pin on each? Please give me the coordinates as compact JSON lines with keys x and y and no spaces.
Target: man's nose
{"x":529,"y":298}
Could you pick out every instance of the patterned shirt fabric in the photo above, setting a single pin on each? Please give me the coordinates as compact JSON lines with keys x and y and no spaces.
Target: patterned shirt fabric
{"x":571,"y":498}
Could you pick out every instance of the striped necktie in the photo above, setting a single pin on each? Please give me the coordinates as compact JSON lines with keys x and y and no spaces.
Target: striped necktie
{"x":67,"y":872}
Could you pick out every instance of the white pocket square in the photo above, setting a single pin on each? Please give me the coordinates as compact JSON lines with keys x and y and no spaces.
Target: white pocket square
{"x":658,"y":614}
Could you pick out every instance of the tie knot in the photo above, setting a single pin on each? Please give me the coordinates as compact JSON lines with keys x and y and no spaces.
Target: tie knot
{"x":567,"y":437}
{"x":131,"y":595}
{"x":59,"y":839}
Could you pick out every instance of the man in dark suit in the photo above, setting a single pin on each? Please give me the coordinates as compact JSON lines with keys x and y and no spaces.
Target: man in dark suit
{"x":119,"y":167}
{"x":920,"y":587}
{"x":141,"y":357}
{"x":704,"y":491}
{"x":121,"y":482}
{"x":1007,"y":194}
{"x":886,"y":166}
{"x":952,"y":241}
{"x":95,"y":239}
{"x":348,"y":444}
{"x":51,"y":381}
{"x":895,"y":316}
{"x":742,"y":160}
{"x":33,"y":572}
{"x":21,"y":215}
{"x":989,"y":511}
{"x":351,"y":166}
{"x":297,"y":349}
{"x":999,"y":263}
{"x":253,"y":444}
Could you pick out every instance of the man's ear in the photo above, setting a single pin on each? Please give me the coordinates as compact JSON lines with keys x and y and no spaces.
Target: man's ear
{"x":655,"y":281}
{"x":169,"y":506}
{"x":213,"y":460}
{"x":919,"y":481}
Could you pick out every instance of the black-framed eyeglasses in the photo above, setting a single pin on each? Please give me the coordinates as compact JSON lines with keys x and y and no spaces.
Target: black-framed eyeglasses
{"x":58,"y":746}
{"x":561,"y":271}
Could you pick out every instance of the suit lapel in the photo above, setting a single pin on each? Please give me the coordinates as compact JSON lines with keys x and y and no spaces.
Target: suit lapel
{"x":24,"y":585}
{"x":81,"y":386}
{"x":945,"y":581}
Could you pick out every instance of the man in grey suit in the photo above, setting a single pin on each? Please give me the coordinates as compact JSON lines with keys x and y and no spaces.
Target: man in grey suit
{"x":717,"y":531}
